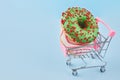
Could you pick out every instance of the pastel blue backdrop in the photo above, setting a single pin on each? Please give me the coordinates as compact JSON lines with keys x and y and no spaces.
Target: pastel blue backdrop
{"x":29,"y":39}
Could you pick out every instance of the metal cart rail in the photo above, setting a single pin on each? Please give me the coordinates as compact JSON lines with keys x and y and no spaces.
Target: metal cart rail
{"x":96,"y":50}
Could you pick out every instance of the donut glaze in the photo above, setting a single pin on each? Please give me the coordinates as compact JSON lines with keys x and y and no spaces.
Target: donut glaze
{"x":79,"y":25}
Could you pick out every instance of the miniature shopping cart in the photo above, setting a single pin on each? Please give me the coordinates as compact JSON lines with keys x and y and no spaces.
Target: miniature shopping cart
{"x":94,"y":51}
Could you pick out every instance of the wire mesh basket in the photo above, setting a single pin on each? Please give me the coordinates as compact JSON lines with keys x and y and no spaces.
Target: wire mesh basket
{"x":94,"y":51}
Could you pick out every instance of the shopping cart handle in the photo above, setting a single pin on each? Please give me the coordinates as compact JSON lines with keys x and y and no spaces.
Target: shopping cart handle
{"x":111,"y":32}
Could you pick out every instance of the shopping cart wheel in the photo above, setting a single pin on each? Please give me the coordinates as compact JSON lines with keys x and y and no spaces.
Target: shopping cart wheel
{"x":68,"y":63}
{"x":102,"y":69}
{"x":74,"y":73}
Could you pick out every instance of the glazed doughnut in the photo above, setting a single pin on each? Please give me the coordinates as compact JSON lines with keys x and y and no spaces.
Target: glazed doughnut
{"x":79,"y":25}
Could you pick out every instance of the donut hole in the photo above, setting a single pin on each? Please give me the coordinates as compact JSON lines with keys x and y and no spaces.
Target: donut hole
{"x":81,"y":22}
{"x":82,"y":25}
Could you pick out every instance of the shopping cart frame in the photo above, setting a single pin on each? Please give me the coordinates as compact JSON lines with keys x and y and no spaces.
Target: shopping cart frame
{"x":99,"y":50}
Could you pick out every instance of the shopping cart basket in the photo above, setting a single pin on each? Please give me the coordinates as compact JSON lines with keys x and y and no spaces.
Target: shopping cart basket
{"x":93,"y":51}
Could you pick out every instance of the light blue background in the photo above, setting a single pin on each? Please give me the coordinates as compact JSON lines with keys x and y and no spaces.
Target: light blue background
{"x":29,"y":39}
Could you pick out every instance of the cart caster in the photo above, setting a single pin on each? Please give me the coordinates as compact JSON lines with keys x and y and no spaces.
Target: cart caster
{"x":102,"y":69}
{"x":74,"y":73}
{"x":68,"y":63}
